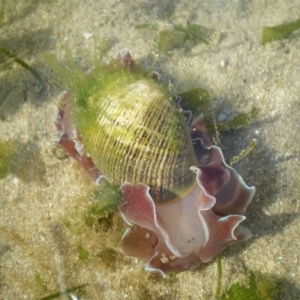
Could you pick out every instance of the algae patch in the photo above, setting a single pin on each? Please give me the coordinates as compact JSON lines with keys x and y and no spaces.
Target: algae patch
{"x":261,"y":287}
{"x":21,"y":159}
{"x":178,"y":36}
{"x":279,"y":32}
{"x":8,"y":152}
{"x":106,"y":199}
{"x":197,"y":100}
{"x":22,"y":63}
{"x":83,"y":254}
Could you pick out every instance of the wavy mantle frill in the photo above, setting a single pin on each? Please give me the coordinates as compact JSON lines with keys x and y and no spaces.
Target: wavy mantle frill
{"x":193,"y":229}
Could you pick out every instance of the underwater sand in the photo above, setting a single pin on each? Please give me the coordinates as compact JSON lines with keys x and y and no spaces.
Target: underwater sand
{"x":45,"y":245}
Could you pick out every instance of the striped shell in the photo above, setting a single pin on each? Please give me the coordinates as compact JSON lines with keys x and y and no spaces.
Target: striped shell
{"x":134,"y":131}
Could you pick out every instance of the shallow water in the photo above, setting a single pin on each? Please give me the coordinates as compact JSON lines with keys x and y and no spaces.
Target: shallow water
{"x":44,"y":240}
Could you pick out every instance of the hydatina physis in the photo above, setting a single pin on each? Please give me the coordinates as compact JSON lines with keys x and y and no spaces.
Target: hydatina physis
{"x":182,"y":203}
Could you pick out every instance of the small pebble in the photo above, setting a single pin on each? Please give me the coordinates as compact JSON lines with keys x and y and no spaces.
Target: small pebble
{"x":221,"y":117}
{"x":87,"y":35}
{"x":257,"y":132}
{"x":16,"y":181}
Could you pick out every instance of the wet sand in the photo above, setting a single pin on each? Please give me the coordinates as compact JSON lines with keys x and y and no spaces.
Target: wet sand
{"x":43,"y":201}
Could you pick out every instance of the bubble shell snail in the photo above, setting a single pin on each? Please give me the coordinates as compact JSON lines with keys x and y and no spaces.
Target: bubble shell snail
{"x":186,"y":203}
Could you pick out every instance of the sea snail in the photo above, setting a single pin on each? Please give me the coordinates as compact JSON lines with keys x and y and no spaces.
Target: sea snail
{"x":185,"y":202}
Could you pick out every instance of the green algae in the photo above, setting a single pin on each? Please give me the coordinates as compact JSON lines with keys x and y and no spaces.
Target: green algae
{"x":82,"y":253}
{"x":219,"y":278}
{"x":78,"y":288}
{"x":193,"y":33}
{"x":40,"y":282}
{"x":181,"y":36}
{"x":20,"y":159}
{"x":279,"y":32}
{"x":68,"y":74}
{"x":106,"y":198}
{"x":197,"y":100}
{"x":8,"y":152}
{"x":15,"y":81}
{"x":167,"y":40}
{"x":177,"y":36}
{"x":21,"y":63}
{"x":110,"y":258}
{"x":2,"y":10}
{"x":260,"y":287}
{"x":146,"y":26}
{"x":104,"y":46}
{"x":243,"y":153}
{"x":242,"y":120}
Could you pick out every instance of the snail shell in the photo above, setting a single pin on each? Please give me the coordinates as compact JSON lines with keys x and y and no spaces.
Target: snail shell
{"x":133,"y":129}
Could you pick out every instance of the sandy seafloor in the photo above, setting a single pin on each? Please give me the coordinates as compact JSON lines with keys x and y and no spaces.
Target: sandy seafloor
{"x":41,"y":205}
